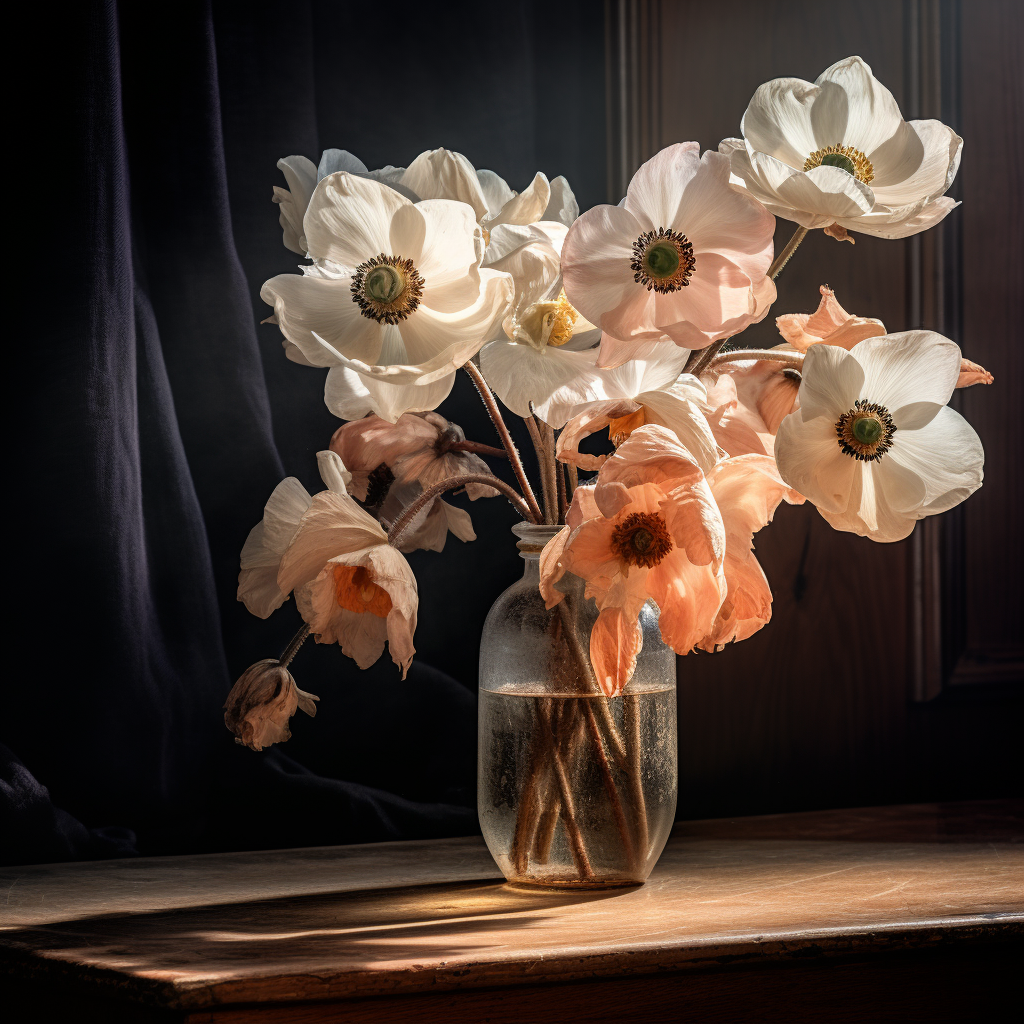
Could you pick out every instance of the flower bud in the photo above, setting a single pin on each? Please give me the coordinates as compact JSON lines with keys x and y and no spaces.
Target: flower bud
{"x":261,"y":703}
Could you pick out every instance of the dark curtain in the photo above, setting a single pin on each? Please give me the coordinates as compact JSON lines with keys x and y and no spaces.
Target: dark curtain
{"x":153,"y":415}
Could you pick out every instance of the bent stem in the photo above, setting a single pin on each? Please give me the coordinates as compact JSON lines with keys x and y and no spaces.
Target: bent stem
{"x":704,"y":359}
{"x":293,"y":646}
{"x":491,"y":405}
{"x":479,"y":449}
{"x":410,"y":511}
{"x":793,"y":359}
{"x":542,"y":467}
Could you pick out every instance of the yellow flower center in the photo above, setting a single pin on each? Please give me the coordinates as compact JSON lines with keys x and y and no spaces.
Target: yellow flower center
{"x":865,"y":432}
{"x":560,"y":321}
{"x":641,"y":538}
{"x":851,"y":160}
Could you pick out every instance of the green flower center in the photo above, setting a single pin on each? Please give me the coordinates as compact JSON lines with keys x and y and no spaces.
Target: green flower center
{"x":383,"y":284}
{"x":839,"y":160}
{"x":867,"y":430}
{"x":661,"y":260}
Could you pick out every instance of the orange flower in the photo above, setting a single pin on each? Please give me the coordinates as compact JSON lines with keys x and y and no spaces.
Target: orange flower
{"x":648,"y":530}
{"x":748,"y":490}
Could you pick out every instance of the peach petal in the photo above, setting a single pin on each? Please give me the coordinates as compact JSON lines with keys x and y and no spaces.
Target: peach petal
{"x":829,"y":322}
{"x":972,"y":373}
{"x":615,"y":642}
{"x":689,"y":597}
{"x":552,"y":568}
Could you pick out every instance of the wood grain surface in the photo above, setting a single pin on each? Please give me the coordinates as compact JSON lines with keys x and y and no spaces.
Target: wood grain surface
{"x":205,"y":933}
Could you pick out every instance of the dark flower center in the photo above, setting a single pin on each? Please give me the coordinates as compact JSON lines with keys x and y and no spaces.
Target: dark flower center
{"x":387,"y":288}
{"x":642,"y":538}
{"x":662,"y":260}
{"x":865,"y":432}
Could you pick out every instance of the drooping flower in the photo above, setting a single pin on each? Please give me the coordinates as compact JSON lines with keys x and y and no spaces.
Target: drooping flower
{"x":838,"y":152}
{"x":395,"y":300}
{"x":650,"y":388}
{"x":260,"y":704}
{"x":393,"y":463}
{"x":685,"y":256}
{"x":830,"y":324}
{"x":748,"y":490}
{"x":746,"y":401}
{"x":350,"y":585}
{"x":648,"y":530}
{"x":874,"y":445}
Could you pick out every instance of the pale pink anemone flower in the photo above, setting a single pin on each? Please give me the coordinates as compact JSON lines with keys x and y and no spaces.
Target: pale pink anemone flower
{"x":830,"y":324}
{"x":748,"y":490}
{"x":351,"y":586}
{"x":648,"y":531}
{"x":746,"y":401}
{"x":393,"y":463}
{"x":684,"y":257}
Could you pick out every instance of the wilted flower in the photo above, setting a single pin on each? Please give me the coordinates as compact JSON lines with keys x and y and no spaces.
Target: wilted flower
{"x":350,"y":585}
{"x":261,"y":703}
{"x":874,"y":444}
{"x":685,"y":256}
{"x":395,"y":301}
{"x":649,"y":530}
{"x":830,"y":324}
{"x":838,"y":152}
{"x":392,"y":464}
{"x":747,"y":489}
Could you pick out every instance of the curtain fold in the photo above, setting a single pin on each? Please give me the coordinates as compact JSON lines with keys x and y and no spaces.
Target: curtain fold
{"x":153,"y":415}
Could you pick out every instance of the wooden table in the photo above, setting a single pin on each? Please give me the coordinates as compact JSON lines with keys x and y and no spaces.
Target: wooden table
{"x":909,"y":913}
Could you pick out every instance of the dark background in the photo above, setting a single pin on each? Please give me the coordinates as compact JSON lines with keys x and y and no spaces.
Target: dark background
{"x":153,"y":414}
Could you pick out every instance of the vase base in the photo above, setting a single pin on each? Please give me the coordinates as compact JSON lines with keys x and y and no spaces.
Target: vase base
{"x":535,"y":884}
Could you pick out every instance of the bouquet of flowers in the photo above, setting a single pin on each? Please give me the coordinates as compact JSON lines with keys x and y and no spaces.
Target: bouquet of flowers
{"x":623,"y":319}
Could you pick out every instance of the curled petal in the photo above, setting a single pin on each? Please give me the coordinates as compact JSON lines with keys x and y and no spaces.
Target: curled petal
{"x":615,"y":642}
{"x":260,"y":704}
{"x":972,"y":373}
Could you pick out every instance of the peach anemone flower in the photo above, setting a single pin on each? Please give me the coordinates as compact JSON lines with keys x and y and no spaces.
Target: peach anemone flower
{"x":648,"y":531}
{"x":747,"y":490}
{"x":351,"y":586}
{"x":686,"y":256}
{"x":830,"y":324}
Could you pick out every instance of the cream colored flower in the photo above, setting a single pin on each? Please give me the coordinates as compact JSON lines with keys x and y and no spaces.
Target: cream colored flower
{"x":874,"y":444}
{"x":395,"y":300}
{"x":350,"y":585}
{"x":838,"y":152}
{"x":260,"y":704}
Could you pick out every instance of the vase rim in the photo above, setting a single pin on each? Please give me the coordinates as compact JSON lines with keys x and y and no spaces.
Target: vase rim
{"x":533,"y":536}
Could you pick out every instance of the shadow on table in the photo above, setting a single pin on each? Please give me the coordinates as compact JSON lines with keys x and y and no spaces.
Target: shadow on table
{"x":350,"y":929}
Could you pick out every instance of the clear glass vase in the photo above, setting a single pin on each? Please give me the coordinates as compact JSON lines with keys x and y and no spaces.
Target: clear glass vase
{"x":574,"y":789}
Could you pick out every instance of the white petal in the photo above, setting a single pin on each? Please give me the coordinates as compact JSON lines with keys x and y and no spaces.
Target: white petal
{"x":332,"y":160}
{"x":310,"y":308}
{"x":300,"y":174}
{"x":777,"y":120}
{"x":832,"y":381}
{"x":918,"y":163}
{"x":554,"y":379}
{"x":946,"y":454}
{"x":534,"y":268}
{"x":349,"y":219}
{"x":527,"y":207}
{"x":351,"y":395}
{"x":869,"y":513}
{"x":852,"y":99}
{"x":335,"y":476}
{"x":562,"y":206}
{"x":495,"y":189}
{"x":901,"y":223}
{"x":810,"y":461}
{"x":674,"y":410}
{"x":443,"y":174}
{"x":905,"y":370}
{"x":450,"y":241}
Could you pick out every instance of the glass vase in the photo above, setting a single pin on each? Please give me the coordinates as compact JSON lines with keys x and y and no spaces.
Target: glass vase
{"x":574,"y":789}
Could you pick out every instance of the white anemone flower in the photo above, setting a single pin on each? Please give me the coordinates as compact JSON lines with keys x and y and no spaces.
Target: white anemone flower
{"x":839,"y":152}
{"x":874,"y":444}
{"x":544,"y":347}
{"x":395,"y":300}
{"x":434,"y":174}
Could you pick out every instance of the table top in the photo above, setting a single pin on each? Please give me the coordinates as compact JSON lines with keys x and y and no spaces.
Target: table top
{"x":347,"y":922}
